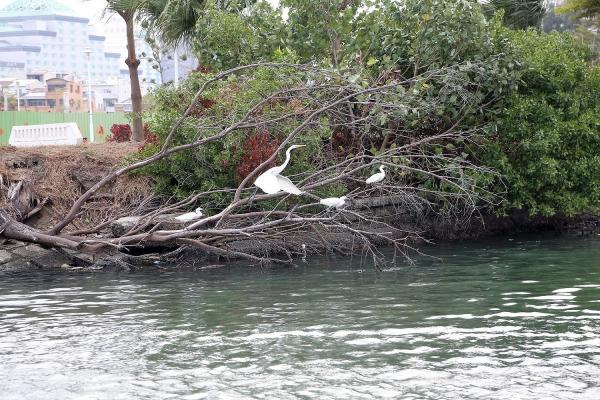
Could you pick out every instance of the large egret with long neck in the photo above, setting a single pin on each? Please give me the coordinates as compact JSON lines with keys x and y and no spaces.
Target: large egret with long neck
{"x":378,"y":177}
{"x":271,"y":181}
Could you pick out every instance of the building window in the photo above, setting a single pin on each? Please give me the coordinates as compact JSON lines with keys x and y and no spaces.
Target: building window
{"x":36,"y":102}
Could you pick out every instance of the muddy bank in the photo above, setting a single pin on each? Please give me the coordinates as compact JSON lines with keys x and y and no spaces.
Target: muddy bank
{"x":49,"y":179}
{"x":21,"y":256}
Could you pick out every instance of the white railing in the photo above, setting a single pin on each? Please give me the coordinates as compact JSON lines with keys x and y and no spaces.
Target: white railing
{"x":45,"y":135}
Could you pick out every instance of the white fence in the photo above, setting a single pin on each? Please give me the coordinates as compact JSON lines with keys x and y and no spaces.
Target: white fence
{"x":45,"y":135}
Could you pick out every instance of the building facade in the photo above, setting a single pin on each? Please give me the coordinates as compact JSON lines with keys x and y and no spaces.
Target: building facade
{"x":112,"y":28}
{"x":186,"y":63}
{"x":46,"y":35}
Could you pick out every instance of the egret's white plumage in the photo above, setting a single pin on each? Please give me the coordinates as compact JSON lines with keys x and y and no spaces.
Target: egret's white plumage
{"x":196,"y":214}
{"x":271,"y":181}
{"x":378,"y":177}
{"x":337,"y":202}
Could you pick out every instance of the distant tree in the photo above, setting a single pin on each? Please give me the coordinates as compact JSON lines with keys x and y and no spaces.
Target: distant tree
{"x":584,"y":16}
{"x":321,"y":27}
{"x":174,"y":21}
{"x":170,"y":20}
{"x":519,"y":14}
{"x":315,"y":30}
{"x":581,"y":8}
{"x":225,"y":39}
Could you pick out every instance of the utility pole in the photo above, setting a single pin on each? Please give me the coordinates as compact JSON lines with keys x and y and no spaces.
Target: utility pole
{"x":65,"y":102}
{"x":88,"y":53}
{"x":176,"y":68}
{"x":18,"y":96}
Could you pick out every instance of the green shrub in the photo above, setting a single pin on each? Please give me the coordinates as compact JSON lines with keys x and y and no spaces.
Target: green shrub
{"x":546,"y":140}
{"x":222,"y":164}
{"x":463,"y":62}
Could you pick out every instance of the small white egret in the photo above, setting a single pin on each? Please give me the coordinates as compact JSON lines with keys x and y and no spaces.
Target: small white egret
{"x":271,"y":182}
{"x":337,"y":202}
{"x":378,"y":177}
{"x":196,"y":214}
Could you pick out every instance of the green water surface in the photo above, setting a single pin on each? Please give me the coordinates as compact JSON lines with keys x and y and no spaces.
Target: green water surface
{"x":503,"y":319}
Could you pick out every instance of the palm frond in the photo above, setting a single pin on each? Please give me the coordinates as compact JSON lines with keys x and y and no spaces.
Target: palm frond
{"x":519,"y":14}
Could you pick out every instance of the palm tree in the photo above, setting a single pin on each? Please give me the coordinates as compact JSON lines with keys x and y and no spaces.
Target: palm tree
{"x":129,"y":10}
{"x":519,"y":14}
{"x":173,"y":22}
{"x":176,"y":22}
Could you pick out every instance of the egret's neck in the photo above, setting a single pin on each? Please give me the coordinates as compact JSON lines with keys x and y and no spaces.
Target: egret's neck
{"x":287,"y":159}
{"x":381,"y":169}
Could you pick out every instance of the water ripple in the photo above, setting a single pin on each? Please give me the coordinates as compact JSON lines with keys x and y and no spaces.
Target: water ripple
{"x":476,"y":326}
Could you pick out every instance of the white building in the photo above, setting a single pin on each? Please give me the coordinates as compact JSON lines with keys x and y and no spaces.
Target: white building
{"x":113,"y":28}
{"x":181,"y":62}
{"x":107,"y":95}
{"x":38,"y":35}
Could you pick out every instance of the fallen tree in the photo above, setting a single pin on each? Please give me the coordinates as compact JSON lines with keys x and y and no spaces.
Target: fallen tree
{"x":428,"y":167}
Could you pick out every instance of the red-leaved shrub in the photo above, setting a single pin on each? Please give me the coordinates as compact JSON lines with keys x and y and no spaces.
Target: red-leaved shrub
{"x":149,"y":137}
{"x":202,"y":69}
{"x":256,"y":149}
{"x":122,"y":133}
{"x":198,"y":110}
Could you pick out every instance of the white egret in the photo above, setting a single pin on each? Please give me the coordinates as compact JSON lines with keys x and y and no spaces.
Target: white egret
{"x":196,"y":214}
{"x":271,"y":182}
{"x":337,"y":202}
{"x":378,"y":177}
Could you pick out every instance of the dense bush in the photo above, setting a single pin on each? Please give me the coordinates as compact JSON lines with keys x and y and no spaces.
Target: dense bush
{"x":546,"y":140}
{"x":533,"y":95}
{"x":122,"y":133}
{"x":222,"y":164}
{"x":256,"y":149}
{"x":463,"y":63}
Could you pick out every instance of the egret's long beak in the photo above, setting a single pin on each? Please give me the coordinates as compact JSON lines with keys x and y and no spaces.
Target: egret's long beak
{"x":300,"y":145}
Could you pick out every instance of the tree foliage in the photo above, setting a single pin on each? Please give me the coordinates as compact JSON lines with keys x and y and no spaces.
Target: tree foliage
{"x":226,"y":38}
{"x":220,"y":164}
{"x":519,"y":14}
{"x":581,"y":8}
{"x":547,"y":137}
{"x":460,"y":66}
{"x":531,"y":92}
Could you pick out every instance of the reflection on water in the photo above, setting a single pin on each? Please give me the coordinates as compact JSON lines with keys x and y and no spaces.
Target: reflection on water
{"x":498,"y":320}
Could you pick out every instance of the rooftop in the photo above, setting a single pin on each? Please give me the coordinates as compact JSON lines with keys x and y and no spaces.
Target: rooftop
{"x":21,"y":7}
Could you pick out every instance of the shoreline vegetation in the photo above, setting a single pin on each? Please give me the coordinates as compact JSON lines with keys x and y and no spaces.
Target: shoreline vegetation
{"x":481,"y":129}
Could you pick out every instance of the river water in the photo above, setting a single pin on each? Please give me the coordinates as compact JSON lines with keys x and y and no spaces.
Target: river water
{"x":505,"y":319}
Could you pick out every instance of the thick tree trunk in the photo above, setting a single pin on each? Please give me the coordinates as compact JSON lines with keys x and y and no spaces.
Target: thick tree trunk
{"x":132,"y":62}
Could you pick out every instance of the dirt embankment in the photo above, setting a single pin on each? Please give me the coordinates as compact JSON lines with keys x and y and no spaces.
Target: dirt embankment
{"x":57,"y":175}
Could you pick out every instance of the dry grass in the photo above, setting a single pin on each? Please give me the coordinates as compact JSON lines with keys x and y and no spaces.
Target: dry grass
{"x":63,"y":173}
